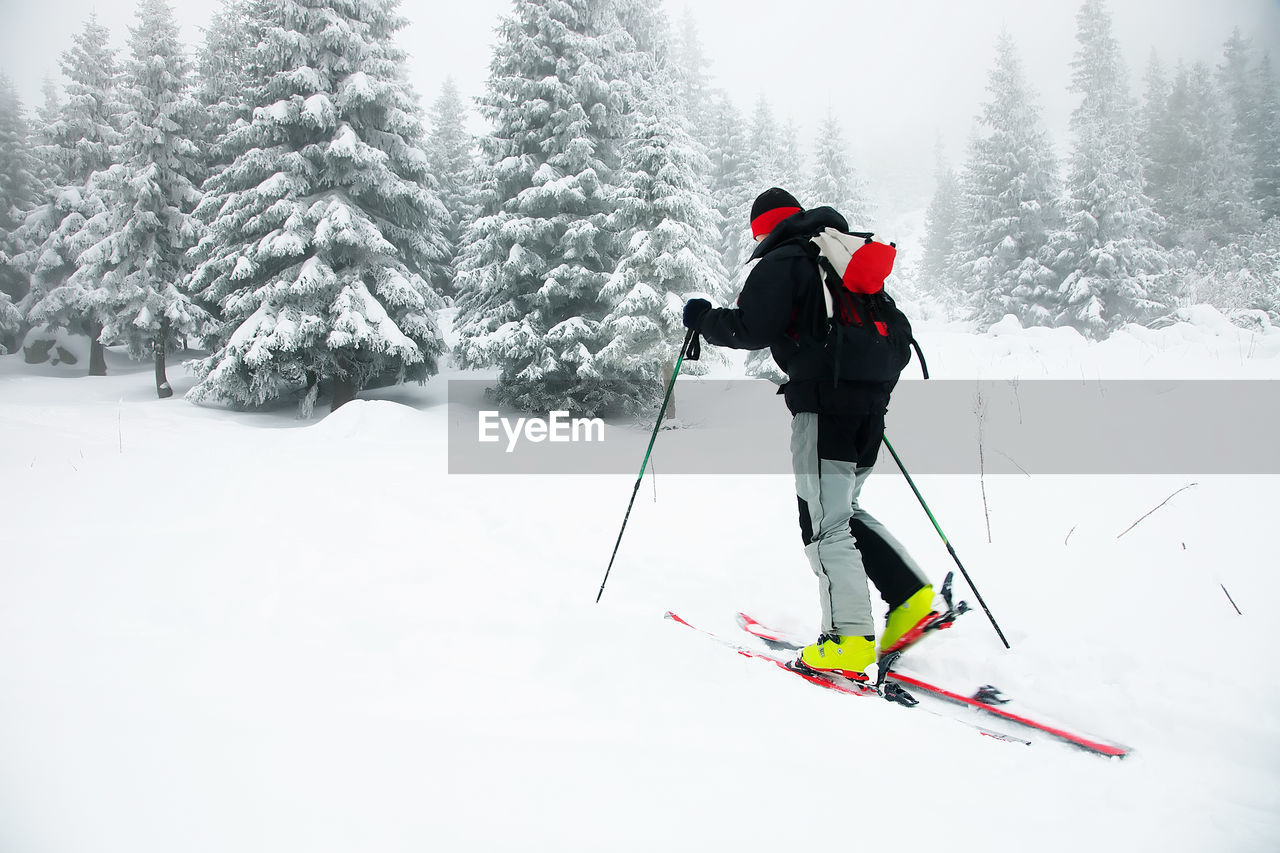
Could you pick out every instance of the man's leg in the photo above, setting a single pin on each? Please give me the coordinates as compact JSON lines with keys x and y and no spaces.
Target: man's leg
{"x":825,"y":490}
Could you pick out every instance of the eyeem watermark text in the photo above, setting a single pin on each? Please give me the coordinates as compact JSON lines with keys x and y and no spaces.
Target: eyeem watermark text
{"x":558,"y":427}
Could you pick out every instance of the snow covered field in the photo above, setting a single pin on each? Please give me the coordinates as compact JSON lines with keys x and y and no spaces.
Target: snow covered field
{"x":243,"y":632}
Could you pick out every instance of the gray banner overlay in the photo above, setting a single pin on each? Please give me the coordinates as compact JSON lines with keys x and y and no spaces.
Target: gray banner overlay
{"x":1048,"y":427}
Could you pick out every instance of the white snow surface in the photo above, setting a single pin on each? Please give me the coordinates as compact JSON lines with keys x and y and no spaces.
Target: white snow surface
{"x":242,"y":632}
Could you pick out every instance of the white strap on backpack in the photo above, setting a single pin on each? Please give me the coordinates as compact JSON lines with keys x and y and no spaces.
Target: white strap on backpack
{"x":831,"y":245}
{"x":837,"y":247}
{"x":865,"y":273}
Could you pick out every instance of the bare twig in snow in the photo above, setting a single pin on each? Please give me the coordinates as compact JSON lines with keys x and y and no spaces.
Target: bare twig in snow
{"x":980,"y":409}
{"x":1018,"y":398}
{"x":1162,"y":503}
{"x":1229,"y":598}
{"x":1015,"y":462}
{"x":1069,"y":532}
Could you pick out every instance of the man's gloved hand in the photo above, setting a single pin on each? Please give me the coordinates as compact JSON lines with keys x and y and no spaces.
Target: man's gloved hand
{"x":694,"y":311}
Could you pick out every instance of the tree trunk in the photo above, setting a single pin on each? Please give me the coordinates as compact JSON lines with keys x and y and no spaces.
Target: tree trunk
{"x":163,"y":389}
{"x":343,"y":392}
{"x":97,"y":352}
{"x":159,"y":345}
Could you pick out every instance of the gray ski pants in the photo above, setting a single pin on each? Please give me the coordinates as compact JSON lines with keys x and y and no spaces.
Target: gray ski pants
{"x":828,"y":491}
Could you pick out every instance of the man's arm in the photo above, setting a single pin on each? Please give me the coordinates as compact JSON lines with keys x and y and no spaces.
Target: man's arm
{"x":763,"y":312}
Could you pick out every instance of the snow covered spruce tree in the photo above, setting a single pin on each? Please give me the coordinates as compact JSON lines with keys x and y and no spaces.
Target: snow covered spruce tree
{"x":834,"y":181}
{"x":1107,"y":252}
{"x":692,"y":71}
{"x":225,"y":72}
{"x":1201,"y":179}
{"x":19,"y":192}
{"x":1158,"y":142}
{"x":773,"y":158}
{"x":649,"y":39}
{"x":85,"y":141}
{"x":323,"y":227}
{"x":1238,"y":86}
{"x":47,"y":115}
{"x":131,"y":274}
{"x":1267,"y":175}
{"x":732,"y":185}
{"x":942,"y":231}
{"x":1010,"y":190}
{"x":1226,"y":210}
{"x":451,"y":153}
{"x":671,"y":252}
{"x":1248,"y":100}
{"x":534,"y":264}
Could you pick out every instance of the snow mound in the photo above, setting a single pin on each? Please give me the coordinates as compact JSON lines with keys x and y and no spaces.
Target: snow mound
{"x":1008,"y":325}
{"x":378,"y":420}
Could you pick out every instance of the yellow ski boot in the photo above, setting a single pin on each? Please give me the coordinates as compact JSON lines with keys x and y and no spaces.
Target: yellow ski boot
{"x":908,"y":621}
{"x":845,"y":656}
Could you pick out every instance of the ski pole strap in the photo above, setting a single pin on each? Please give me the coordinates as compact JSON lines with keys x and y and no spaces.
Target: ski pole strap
{"x":692,"y":346}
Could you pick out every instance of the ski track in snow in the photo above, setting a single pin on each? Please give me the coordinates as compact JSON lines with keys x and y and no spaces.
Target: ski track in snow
{"x":225,"y":631}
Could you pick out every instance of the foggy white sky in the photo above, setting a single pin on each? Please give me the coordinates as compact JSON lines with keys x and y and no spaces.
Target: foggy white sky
{"x":899,"y":72}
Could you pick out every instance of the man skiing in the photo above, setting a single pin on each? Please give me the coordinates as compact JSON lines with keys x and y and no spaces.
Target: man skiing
{"x":836,"y":429}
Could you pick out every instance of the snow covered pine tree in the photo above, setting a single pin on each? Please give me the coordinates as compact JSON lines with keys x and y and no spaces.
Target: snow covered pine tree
{"x":451,"y":152}
{"x":323,"y":228}
{"x":84,"y":139}
{"x":534,"y":264}
{"x":1107,"y":250}
{"x":1010,"y":190}
{"x":131,"y":272}
{"x":671,"y":251}
{"x":19,"y":191}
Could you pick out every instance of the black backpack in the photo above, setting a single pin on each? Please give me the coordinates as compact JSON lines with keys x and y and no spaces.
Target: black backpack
{"x":866,"y":336}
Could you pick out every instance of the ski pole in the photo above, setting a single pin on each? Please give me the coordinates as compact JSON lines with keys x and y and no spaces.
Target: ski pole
{"x":945,"y":541}
{"x":692,"y":346}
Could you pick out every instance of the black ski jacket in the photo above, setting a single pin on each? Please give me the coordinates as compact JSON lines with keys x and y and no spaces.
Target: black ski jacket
{"x":780,"y":307}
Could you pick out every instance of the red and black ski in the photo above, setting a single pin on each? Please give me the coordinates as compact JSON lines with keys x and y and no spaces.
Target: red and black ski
{"x":986,"y":700}
{"x":841,"y":685}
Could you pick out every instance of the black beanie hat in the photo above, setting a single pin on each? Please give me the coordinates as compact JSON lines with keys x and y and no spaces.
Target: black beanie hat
{"x":771,"y":207}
